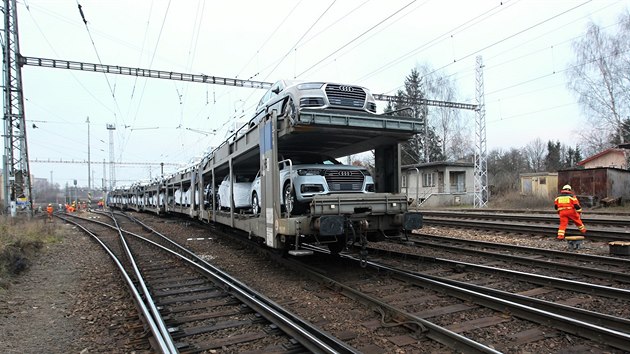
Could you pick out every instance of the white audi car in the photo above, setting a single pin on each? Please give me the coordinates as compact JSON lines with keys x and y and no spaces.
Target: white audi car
{"x":242,"y":186}
{"x":313,"y":174}
{"x":289,"y":96}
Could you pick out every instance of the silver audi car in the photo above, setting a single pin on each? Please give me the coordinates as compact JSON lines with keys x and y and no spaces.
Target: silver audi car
{"x":289,"y":96}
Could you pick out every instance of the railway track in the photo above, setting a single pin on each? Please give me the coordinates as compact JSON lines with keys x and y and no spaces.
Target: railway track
{"x":601,"y":294}
{"x":604,"y":268}
{"x":445,"y":307}
{"x":608,"y":228}
{"x":189,"y":306}
{"x":504,"y":320}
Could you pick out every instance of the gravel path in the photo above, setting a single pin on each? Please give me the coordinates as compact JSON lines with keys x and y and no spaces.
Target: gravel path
{"x":70,"y":300}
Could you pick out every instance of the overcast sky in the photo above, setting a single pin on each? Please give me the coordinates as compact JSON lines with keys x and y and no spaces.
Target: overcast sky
{"x":525,"y":45}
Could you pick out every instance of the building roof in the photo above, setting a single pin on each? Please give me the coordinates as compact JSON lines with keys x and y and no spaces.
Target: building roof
{"x":603,"y":153}
{"x":438,"y":163}
{"x":538,"y":174}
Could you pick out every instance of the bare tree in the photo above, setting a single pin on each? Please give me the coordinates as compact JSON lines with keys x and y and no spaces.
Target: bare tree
{"x":535,"y":153}
{"x":448,"y":123}
{"x":595,"y":139}
{"x":504,"y":169}
{"x":599,"y":75}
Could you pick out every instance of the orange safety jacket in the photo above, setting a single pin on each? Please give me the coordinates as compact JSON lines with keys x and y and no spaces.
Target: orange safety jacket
{"x":567,"y":201}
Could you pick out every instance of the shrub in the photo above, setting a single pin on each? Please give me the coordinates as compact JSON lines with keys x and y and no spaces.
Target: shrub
{"x":20,"y":240}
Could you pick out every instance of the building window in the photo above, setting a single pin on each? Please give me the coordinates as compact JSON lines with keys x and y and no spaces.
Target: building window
{"x":428,"y":180}
{"x":542,"y":180}
{"x":403,"y":181}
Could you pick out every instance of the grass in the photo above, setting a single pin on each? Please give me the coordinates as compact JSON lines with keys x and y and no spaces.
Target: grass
{"x":518,"y":201}
{"x":20,"y":240}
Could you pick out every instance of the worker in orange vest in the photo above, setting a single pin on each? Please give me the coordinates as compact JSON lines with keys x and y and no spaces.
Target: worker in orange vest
{"x":568,"y":207}
{"x":49,"y":210}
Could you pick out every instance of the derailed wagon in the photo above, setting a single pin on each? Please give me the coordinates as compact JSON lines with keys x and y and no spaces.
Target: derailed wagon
{"x":335,"y":219}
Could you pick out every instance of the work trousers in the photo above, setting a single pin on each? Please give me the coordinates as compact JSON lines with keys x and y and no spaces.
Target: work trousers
{"x":565,"y":216}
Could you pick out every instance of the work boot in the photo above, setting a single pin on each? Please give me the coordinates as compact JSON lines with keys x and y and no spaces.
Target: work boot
{"x":560,"y":237}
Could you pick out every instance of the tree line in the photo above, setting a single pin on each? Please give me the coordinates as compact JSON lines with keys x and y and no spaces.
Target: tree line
{"x":599,"y":76}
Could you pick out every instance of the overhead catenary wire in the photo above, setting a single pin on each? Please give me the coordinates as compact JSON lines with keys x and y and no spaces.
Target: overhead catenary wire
{"x":98,"y":57}
{"x":356,"y":38}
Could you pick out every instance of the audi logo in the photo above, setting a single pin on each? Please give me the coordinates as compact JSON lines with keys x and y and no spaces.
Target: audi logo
{"x":345,"y":88}
{"x":345,"y":173}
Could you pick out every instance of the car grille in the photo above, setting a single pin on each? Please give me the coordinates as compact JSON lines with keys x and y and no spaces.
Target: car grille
{"x":344,"y":180}
{"x":345,"y":96}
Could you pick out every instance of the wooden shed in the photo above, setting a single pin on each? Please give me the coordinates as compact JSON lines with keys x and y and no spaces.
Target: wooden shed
{"x":540,"y":184}
{"x":597,"y":184}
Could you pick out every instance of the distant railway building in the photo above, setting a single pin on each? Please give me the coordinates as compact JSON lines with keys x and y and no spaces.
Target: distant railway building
{"x":439,"y":184}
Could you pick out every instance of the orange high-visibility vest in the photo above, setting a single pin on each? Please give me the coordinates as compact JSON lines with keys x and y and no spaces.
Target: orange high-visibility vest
{"x":566,"y":201}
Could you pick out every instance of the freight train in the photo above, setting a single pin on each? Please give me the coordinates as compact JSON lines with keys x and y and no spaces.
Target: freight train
{"x":278,"y":178}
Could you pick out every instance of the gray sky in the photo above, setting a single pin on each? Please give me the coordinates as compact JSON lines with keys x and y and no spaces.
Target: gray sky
{"x":525,"y":45}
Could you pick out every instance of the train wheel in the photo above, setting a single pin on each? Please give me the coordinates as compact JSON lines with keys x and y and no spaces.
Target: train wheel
{"x":337,"y":246}
{"x":255,"y":204}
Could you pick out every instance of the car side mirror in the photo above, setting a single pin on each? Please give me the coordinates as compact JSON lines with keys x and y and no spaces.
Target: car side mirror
{"x":276,"y":90}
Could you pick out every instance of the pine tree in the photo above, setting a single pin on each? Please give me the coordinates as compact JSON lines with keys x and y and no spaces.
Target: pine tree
{"x":421,"y":147}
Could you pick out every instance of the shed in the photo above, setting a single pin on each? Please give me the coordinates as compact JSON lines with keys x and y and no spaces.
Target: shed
{"x":595,"y":184}
{"x":540,"y":184}
{"x":438,"y":184}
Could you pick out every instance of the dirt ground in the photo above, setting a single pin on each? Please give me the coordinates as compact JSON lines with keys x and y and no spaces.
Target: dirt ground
{"x":56,"y":306}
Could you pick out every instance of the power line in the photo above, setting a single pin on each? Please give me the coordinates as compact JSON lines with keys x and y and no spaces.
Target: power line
{"x":357,"y":37}
{"x":85,"y":162}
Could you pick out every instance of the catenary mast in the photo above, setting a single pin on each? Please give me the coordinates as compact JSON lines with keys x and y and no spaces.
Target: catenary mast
{"x":16,"y":171}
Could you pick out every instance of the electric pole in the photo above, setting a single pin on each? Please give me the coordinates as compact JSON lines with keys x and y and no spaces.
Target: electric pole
{"x":89,"y":164}
{"x":112,"y":172}
{"x":16,"y":171}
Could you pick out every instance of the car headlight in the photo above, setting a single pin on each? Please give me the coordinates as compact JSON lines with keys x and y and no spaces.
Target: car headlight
{"x":310,"y":86}
{"x":310,"y":172}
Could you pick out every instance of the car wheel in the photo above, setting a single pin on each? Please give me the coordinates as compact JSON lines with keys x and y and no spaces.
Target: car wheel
{"x":290,"y":109}
{"x":218,"y":203}
{"x":255,"y":204}
{"x":291,"y":204}
{"x":289,"y":198}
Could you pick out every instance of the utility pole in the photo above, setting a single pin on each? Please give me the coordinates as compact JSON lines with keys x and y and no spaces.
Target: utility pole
{"x":481,"y":157}
{"x":112,"y":172}
{"x":104,"y":180}
{"x":16,"y":171}
{"x":89,"y":164}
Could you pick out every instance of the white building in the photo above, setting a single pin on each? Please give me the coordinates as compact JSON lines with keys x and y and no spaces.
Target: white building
{"x":438,"y":184}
